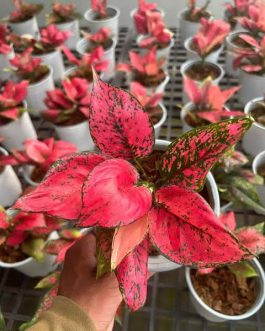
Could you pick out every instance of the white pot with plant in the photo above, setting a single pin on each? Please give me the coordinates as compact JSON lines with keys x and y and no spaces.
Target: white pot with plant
{"x":6,"y":51}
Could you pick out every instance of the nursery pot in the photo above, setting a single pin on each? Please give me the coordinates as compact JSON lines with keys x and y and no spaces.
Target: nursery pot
{"x":37,"y":93}
{"x":231,"y":54}
{"x":9,"y":183}
{"x":4,"y":63}
{"x":17,"y":131}
{"x":258,"y":162}
{"x":55,"y":60}
{"x":161,"y":263}
{"x":134,"y":11}
{"x":254,"y":139}
{"x":211,"y":315}
{"x":186,"y":66}
{"x":160,"y":123}
{"x":109,"y":55}
{"x":252,"y":86}
{"x":186,"y":28}
{"x":27,"y":27}
{"x":32,"y":268}
{"x":112,"y":22}
{"x":77,"y":134}
{"x":72,"y":27}
{"x":192,"y":55}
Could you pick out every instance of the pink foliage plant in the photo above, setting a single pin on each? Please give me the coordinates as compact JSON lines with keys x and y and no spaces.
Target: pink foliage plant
{"x":238,"y":9}
{"x":99,"y":7}
{"x":101,"y":38}
{"x":24,"y":11}
{"x":62,"y":13}
{"x":195,"y":13}
{"x":114,"y":192}
{"x":140,"y":16}
{"x":5,"y":47}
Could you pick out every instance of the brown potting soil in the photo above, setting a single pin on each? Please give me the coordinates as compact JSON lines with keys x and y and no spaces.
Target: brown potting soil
{"x":240,"y":42}
{"x":259,"y":114}
{"x":37,"y":175}
{"x":45,"y":50}
{"x":39,"y":75}
{"x":155,"y":114}
{"x":261,"y":171}
{"x":80,"y":74}
{"x":195,"y":18}
{"x":224,"y":292}
{"x":106,"y":45}
{"x":11,"y":255}
{"x":159,"y":45}
{"x":149,"y":81}
{"x":193,"y":120}
{"x":201,"y":71}
{"x":76,"y":118}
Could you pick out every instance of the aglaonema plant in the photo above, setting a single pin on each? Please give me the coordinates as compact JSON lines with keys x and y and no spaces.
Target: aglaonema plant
{"x":195,"y":13}
{"x":62,"y":13}
{"x":140,"y":16}
{"x":101,"y":38}
{"x":113,"y":192}
{"x":238,"y":9}
{"x":5,"y":45}
{"x":100,"y":7}
{"x":24,"y":11}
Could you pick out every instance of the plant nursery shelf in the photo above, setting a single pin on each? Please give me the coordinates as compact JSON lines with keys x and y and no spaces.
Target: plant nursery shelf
{"x":168,"y":307}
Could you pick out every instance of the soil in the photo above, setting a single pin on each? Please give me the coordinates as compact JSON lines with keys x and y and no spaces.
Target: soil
{"x":46,"y":50}
{"x":81,"y":74}
{"x":159,"y":45}
{"x":225,"y":292}
{"x":259,"y":113}
{"x":11,"y":255}
{"x":22,"y":20}
{"x":155,"y":114}
{"x":39,"y":75}
{"x":106,"y":45}
{"x":195,"y":18}
{"x":76,"y":118}
{"x":37,"y":175}
{"x":261,"y":171}
{"x":240,"y":43}
{"x":149,"y":81}
{"x":193,"y":120}
{"x":200,"y":71}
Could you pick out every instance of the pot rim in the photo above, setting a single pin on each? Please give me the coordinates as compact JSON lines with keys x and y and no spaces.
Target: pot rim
{"x":231,"y":35}
{"x":143,"y":36}
{"x":87,"y":12}
{"x":82,"y":42}
{"x":44,"y":79}
{"x":20,"y":117}
{"x":248,"y":108}
{"x":28,"y":20}
{"x":187,"y":46}
{"x":164,"y":82}
{"x":66,"y":23}
{"x":163,"y":118}
{"x":183,"y":11}
{"x":133,"y":11}
{"x":256,"y":306}
{"x":258,"y":160}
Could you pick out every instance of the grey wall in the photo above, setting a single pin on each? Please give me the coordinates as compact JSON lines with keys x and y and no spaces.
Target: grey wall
{"x":171,"y":7}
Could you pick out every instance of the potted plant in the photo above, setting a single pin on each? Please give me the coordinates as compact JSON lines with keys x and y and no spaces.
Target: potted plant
{"x":65,"y":17}
{"x":208,"y":41}
{"x":102,"y":38}
{"x":9,"y":183}
{"x":147,"y":70}
{"x":100,"y":16}
{"x":158,"y":36}
{"x":238,"y":9}
{"x":127,"y":195}
{"x":254,"y":143}
{"x":233,"y":292}
{"x":189,"y":19}
{"x":83,"y":66}
{"x":6,"y":51}
{"x":38,"y":75}
{"x":23,"y":19}
{"x":258,"y":167}
{"x":139,"y":15}
{"x":252,"y":68}
{"x":206,"y":104}
{"x":37,"y":157}
{"x":237,"y":184}
{"x":23,"y":237}
{"x":152,"y":105}
{"x":15,"y":123}
{"x":67,"y":108}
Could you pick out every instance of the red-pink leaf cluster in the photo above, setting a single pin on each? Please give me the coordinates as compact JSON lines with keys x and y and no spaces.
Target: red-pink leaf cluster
{"x":238,"y":8}
{"x":5,"y":47}
{"x":52,"y":36}
{"x":24,"y":11}
{"x":140,"y":16}
{"x":64,"y":10}
{"x":25,"y":63}
{"x":100,"y":7}
{"x":254,"y":21}
{"x":147,"y":101}
{"x":100,"y":37}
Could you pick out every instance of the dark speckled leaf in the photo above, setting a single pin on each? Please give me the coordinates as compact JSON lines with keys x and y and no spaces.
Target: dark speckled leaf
{"x":118,"y":124}
{"x":189,"y":158}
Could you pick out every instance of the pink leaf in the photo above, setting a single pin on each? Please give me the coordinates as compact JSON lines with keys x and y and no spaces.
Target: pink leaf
{"x":117,"y":119}
{"x":229,"y":220}
{"x":27,"y":222}
{"x":252,"y":239}
{"x":16,"y":238}
{"x":192,"y":90}
{"x":110,"y":197}
{"x":132,"y":276}
{"x":4,"y":224}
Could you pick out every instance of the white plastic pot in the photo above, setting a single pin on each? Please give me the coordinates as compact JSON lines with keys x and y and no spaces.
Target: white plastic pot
{"x":252,"y":86}
{"x":134,"y":11}
{"x":72,"y":27}
{"x":112,"y":23}
{"x":9,"y":183}
{"x":160,"y":263}
{"x":186,"y":65}
{"x":28,"y":27}
{"x":37,"y":94}
{"x":192,"y":55}
{"x":78,"y":134}
{"x":186,"y":28}
{"x":32,"y":268}
{"x":55,"y":60}
{"x":230,"y":54}
{"x":211,"y":315}
{"x":254,"y":139}
{"x":158,"y":125}
{"x":155,"y":89}
{"x":109,"y":55}
{"x":17,"y":131}
{"x":4,"y":63}
{"x":258,"y":162}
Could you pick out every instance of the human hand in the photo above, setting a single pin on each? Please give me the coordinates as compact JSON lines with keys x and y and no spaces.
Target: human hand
{"x":100,"y":298}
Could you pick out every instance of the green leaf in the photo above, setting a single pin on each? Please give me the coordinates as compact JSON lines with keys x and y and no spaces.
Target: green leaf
{"x":49,"y":281}
{"x":104,"y":243}
{"x":2,"y":322}
{"x":70,"y":234}
{"x":35,"y":248}
{"x":243,"y":269}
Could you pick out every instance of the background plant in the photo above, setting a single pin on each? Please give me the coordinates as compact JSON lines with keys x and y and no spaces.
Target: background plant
{"x":62,"y":13}
{"x":24,"y":11}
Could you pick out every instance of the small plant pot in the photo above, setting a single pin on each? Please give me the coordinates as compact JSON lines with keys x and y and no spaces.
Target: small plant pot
{"x":28,"y":27}
{"x":32,"y":268}
{"x":17,"y":131}
{"x":10,"y":185}
{"x":230,"y":54}
{"x":37,"y":93}
{"x":109,"y":55}
{"x":188,"y":64}
{"x":4,"y":63}
{"x":192,"y":55}
{"x":258,"y":162}
{"x":254,"y":139}
{"x":211,"y":315}
{"x":112,"y":22}
{"x":159,"y":124}
{"x":134,"y":11}
{"x":55,"y":60}
{"x":78,"y":134}
{"x":160,"y":263}
{"x":72,"y":27}
{"x":187,"y":28}
{"x":252,"y":86}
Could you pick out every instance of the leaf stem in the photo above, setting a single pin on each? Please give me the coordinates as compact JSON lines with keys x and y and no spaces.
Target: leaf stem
{"x":140,"y":167}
